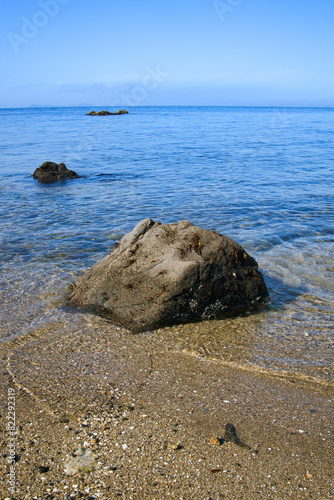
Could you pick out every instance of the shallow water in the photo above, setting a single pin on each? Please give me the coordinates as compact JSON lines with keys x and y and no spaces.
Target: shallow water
{"x":262,"y":176}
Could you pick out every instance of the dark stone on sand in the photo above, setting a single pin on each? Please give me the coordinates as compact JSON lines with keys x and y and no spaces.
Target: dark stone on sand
{"x":42,"y":469}
{"x":163,"y":274}
{"x":107,"y":113}
{"x":51,"y":172}
{"x":231,"y":436}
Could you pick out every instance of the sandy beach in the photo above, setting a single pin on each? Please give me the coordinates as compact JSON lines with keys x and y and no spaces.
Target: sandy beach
{"x":150,"y":416}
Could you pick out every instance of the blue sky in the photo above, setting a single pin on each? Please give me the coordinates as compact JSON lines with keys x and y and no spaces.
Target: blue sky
{"x":185,"y":52}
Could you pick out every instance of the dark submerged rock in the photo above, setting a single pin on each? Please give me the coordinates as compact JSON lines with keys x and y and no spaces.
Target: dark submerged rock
{"x":231,"y":436}
{"x":99,"y":113}
{"x":106,"y":113}
{"x":51,"y":172}
{"x":161,"y":274}
{"x":121,"y":112}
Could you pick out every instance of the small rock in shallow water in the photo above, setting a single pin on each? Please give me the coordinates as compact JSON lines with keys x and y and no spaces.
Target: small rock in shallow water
{"x":231,"y":436}
{"x":107,"y":113}
{"x":50,"y":171}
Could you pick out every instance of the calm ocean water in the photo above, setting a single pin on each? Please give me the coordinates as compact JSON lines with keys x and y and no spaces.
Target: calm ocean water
{"x":262,"y":176}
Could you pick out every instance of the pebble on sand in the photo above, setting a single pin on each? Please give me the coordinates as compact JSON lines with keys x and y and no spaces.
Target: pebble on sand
{"x":83,"y":461}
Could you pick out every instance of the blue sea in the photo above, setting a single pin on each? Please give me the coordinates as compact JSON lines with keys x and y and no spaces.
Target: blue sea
{"x":262,"y":176}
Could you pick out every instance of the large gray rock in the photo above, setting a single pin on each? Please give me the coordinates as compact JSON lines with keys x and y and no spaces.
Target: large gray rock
{"x":50,"y":171}
{"x":160,"y":274}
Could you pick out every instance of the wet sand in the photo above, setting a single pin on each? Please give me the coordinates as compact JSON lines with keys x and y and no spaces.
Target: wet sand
{"x":153,"y":414}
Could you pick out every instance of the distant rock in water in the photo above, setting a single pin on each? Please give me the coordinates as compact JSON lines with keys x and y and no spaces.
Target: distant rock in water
{"x":162,"y":274}
{"x":51,"y":172}
{"x":106,"y":113}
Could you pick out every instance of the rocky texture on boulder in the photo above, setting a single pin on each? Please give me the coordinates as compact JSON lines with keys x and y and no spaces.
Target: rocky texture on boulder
{"x":106,"y":113}
{"x":51,"y":172}
{"x":160,"y":274}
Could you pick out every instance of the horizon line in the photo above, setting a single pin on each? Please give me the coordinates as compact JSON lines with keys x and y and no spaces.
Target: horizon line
{"x":39,"y":106}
